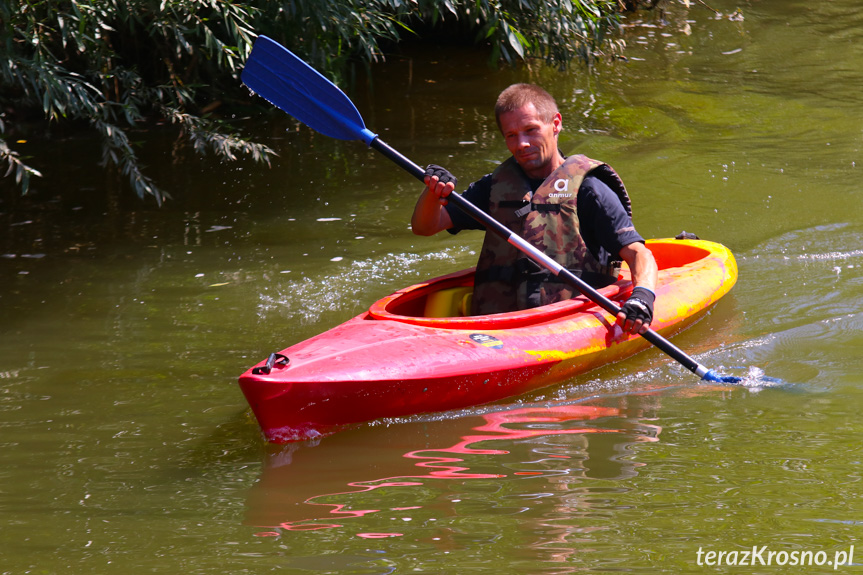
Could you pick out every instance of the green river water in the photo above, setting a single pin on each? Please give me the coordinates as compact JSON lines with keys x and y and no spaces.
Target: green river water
{"x":127,"y":447}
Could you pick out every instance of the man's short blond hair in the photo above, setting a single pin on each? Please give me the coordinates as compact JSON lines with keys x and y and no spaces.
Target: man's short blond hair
{"x":519,"y":95}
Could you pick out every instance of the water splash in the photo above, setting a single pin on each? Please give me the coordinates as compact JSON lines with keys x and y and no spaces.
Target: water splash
{"x":304,"y":301}
{"x":754,"y":379}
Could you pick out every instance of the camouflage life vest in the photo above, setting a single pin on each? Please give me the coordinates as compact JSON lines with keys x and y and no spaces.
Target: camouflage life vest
{"x":506,"y":279}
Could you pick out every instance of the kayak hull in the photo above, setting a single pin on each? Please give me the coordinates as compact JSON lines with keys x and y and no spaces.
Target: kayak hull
{"x":394,"y":360}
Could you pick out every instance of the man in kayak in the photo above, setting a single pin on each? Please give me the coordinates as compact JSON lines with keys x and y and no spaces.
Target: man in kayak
{"x":574,"y":209}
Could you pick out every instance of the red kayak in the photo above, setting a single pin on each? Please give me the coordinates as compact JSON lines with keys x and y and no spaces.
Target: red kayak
{"x":416,"y":352}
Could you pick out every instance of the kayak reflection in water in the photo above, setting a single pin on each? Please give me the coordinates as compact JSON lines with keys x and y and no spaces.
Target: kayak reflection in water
{"x":574,"y":209}
{"x":325,"y":485}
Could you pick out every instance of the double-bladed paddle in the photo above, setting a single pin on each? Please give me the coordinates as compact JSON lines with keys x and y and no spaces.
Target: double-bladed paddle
{"x":289,"y":83}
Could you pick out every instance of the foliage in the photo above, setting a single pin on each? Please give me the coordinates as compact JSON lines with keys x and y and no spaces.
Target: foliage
{"x":117,"y":64}
{"x":557,"y":31}
{"x":12,"y":159}
{"x":326,"y":32}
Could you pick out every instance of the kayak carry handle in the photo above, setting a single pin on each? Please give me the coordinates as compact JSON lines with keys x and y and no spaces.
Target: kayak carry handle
{"x":275,"y":358}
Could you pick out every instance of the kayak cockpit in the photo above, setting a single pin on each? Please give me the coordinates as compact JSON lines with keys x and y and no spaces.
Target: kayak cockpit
{"x":444,"y":302}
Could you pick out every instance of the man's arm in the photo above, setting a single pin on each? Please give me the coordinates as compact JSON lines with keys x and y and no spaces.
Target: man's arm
{"x":642,"y":265}
{"x":606,"y":223}
{"x":430,"y":215}
{"x":637,"y":313}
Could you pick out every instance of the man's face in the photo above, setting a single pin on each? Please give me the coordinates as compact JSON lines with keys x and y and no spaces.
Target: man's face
{"x":532,"y":141}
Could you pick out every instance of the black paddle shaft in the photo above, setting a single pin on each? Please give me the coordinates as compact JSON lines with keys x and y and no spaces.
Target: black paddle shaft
{"x":419,"y":173}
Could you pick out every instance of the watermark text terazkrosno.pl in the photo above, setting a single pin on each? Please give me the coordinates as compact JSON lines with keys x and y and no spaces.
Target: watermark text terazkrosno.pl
{"x":763,"y":555}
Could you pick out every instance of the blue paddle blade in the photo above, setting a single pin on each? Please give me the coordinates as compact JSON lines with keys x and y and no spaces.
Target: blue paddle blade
{"x":755,"y":378}
{"x":290,"y":84}
{"x":715,"y":377}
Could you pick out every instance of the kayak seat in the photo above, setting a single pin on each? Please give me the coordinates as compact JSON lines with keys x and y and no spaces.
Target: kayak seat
{"x":449,"y":302}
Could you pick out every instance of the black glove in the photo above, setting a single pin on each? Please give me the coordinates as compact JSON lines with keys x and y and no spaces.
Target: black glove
{"x":639,"y":306}
{"x":443,"y":175}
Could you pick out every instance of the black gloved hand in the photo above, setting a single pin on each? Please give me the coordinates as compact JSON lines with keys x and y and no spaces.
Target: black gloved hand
{"x":443,"y":175}
{"x":639,"y":306}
